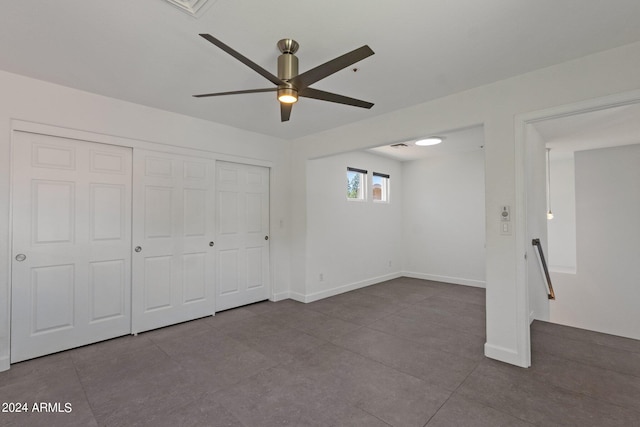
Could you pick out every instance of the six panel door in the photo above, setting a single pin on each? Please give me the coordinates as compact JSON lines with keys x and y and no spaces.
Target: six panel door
{"x":71,"y":270}
{"x":173,"y":260}
{"x":242,"y":234}
{"x":74,"y":228}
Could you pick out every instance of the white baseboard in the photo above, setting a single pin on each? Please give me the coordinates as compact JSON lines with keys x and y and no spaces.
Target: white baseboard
{"x":306,"y":298}
{"x":503,"y":354}
{"x":280,"y":296}
{"x":445,"y":279}
{"x":344,"y":288}
{"x":4,"y":363}
{"x":563,"y":269}
{"x":297,"y":296}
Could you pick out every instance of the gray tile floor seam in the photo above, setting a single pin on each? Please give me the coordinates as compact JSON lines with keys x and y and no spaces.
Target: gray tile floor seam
{"x":84,"y":391}
{"x":438,"y":410}
{"x":406,"y":369}
{"x":540,"y":403}
{"x":606,"y":357}
{"x":634,"y":400}
{"x":455,"y":394}
{"x":606,"y":340}
{"x":452,"y":394}
{"x":382,"y":421}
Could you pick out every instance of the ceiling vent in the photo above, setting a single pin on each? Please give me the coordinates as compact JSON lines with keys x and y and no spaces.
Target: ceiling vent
{"x":400,"y":145}
{"x":194,"y":8}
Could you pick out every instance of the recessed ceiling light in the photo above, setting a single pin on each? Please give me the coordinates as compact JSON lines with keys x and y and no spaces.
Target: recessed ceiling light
{"x":432,"y":140}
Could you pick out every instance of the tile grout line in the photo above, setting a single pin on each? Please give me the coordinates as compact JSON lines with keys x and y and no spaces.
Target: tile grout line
{"x":455,"y":392}
{"x":586,"y":363}
{"x":84,"y":391}
{"x":561,"y":387}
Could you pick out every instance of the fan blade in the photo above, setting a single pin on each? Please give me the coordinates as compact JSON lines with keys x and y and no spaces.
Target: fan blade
{"x":285,"y":111}
{"x":308,"y":78}
{"x":246,"y":61}
{"x":333,"y":97}
{"x":237,"y":92}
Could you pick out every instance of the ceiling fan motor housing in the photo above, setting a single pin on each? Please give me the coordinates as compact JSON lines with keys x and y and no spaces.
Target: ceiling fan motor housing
{"x":287,"y":68}
{"x":287,"y":62}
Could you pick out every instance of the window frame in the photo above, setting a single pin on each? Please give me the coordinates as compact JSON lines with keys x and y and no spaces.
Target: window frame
{"x":363,"y":189}
{"x":385,"y":188}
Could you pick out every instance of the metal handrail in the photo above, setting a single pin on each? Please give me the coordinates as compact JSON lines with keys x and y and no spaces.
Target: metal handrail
{"x":536,"y":242}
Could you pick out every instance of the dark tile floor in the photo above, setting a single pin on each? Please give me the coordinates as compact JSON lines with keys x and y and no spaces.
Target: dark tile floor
{"x":403,"y":353}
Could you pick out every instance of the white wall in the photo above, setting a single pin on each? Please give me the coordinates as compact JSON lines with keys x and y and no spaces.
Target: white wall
{"x":32,"y":100}
{"x":433,"y":227}
{"x":562,"y":228}
{"x":496,"y":106}
{"x":351,"y":243}
{"x":604,"y":294}
{"x":443,"y":218}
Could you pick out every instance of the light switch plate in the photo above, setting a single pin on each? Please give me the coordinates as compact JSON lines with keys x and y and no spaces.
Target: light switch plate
{"x":505,"y":228}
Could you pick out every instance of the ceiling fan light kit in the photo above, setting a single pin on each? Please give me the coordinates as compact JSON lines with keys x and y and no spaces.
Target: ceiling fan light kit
{"x":288,"y":95}
{"x":289,"y":84}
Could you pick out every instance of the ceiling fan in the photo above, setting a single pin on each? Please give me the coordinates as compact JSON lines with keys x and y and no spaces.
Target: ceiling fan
{"x":289,"y":84}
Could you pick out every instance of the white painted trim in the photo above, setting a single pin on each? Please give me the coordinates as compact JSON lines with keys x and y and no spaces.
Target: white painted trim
{"x":4,"y":363}
{"x":372,"y":281}
{"x":297,"y":296}
{"x":562,"y":269}
{"x":280,"y":296}
{"x":506,"y":355}
{"x":83,"y":135}
{"x":5,"y":360}
{"x":523,"y":337}
{"x":589,"y":105}
{"x":523,"y":352}
{"x":445,"y":279}
{"x":342,"y":289}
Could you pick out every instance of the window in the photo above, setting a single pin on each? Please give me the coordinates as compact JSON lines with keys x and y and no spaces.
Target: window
{"x":380,"y":187}
{"x":356,"y":184}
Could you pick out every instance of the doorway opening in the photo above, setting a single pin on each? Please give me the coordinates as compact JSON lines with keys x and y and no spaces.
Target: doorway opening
{"x":591,"y":240}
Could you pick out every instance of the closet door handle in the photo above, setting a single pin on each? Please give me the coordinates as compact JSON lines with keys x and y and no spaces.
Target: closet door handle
{"x":21,"y":257}
{"x":138,"y":249}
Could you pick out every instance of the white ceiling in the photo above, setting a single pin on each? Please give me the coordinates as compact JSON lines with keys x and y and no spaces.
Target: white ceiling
{"x":610,"y":127}
{"x":149,"y":52}
{"x":457,"y":141}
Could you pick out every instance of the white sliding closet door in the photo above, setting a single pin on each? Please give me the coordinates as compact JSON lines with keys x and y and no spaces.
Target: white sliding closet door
{"x":71,"y":266}
{"x":243,"y":234}
{"x":173,"y":230}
